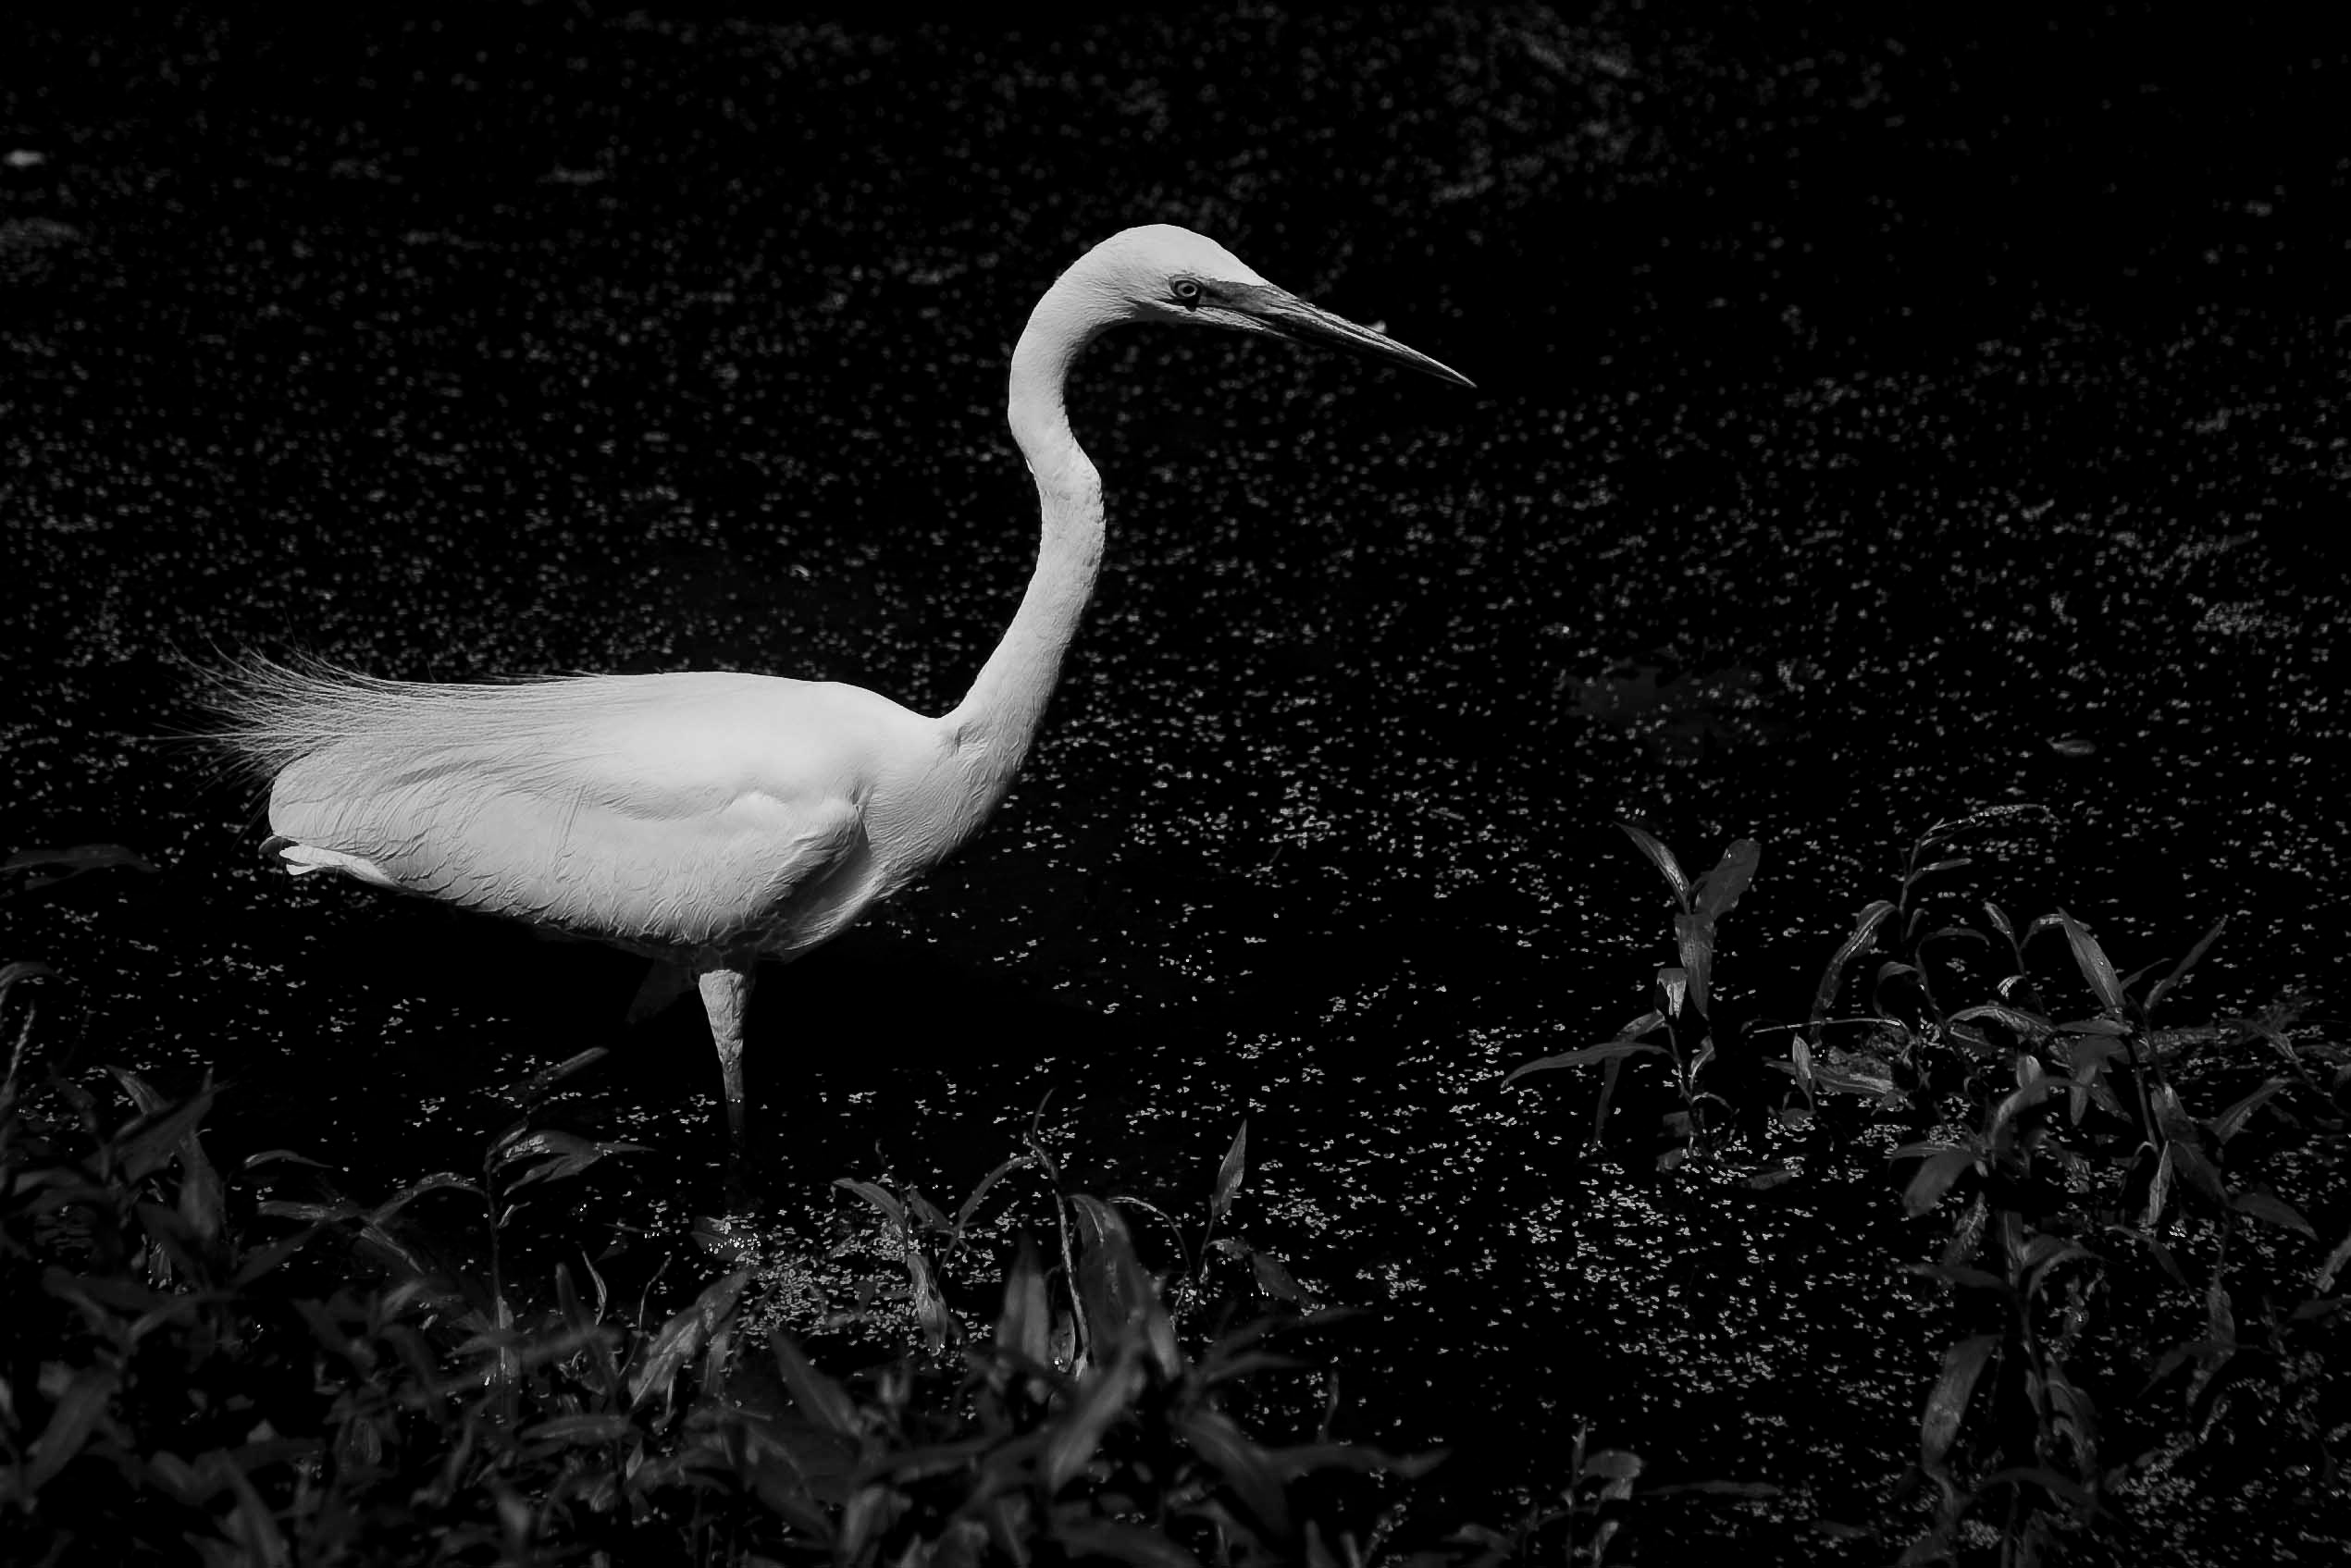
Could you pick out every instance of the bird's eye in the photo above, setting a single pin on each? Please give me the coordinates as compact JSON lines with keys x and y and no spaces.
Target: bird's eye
{"x":1186,"y":291}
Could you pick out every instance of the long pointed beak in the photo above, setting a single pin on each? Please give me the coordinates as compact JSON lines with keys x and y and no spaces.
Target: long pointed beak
{"x":1282,"y":314}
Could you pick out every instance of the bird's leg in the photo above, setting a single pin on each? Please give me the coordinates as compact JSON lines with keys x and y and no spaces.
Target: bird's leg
{"x":726,"y":992}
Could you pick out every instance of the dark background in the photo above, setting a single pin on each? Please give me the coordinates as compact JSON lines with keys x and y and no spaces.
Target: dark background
{"x":1881,"y":415}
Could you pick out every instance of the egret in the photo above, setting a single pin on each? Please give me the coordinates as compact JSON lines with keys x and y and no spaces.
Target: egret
{"x":710,"y":819}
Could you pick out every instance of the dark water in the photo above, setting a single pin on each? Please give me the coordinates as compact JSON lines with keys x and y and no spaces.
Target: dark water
{"x":1878,"y":421}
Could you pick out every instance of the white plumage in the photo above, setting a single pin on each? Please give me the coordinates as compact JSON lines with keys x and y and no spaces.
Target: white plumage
{"x":712,"y":819}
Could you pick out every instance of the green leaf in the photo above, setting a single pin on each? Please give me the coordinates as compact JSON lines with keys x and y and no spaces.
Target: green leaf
{"x":2276,"y":1210}
{"x":45,"y":868}
{"x":1695,"y":939}
{"x":1229,"y":1172}
{"x":1102,"y":1396}
{"x":439,"y":1181}
{"x":1938,"y":1424}
{"x":585,"y":1428}
{"x":560,"y":1154}
{"x":683,"y":1336}
{"x":78,"y":1412}
{"x":822,"y":1402}
{"x":1952,"y":864}
{"x":2229,"y":1123}
{"x":971,"y":1203}
{"x":2093,"y":962}
{"x":1084,"y":1539}
{"x":892,"y":1210}
{"x":1718,"y":891}
{"x":2324,"y":1282}
{"x":1933,"y":1178}
{"x":163,"y":1138}
{"x":1864,"y":932}
{"x":2204,"y":945}
{"x":1663,"y":858}
{"x":1025,"y":1327}
{"x":1609,"y":1051}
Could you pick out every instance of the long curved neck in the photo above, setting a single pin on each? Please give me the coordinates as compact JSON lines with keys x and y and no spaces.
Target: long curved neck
{"x":999,"y":716}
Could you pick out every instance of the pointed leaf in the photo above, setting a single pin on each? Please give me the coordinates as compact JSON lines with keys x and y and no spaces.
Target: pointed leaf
{"x":1924,"y":871}
{"x":2325,"y":1281}
{"x":1608,"y":1051}
{"x":1026,"y":1325}
{"x":892,"y":1210}
{"x":1938,"y":1424}
{"x":1933,"y":1178}
{"x":1229,"y":1174}
{"x":2170,"y":981}
{"x":2276,"y":1210}
{"x":1663,"y":858}
{"x":821,"y":1401}
{"x":1718,"y":891}
{"x":971,"y":1203}
{"x":681,"y":1338}
{"x":2094,"y":967}
{"x":1102,"y":1396}
{"x":1695,"y":938}
{"x":2230,"y":1122}
{"x":1864,"y":932}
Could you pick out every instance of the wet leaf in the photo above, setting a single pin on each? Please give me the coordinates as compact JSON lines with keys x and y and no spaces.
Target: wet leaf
{"x":821,"y":1401}
{"x":533,"y":1088}
{"x":1933,"y":1178}
{"x":2093,"y":962}
{"x":682,"y":1339}
{"x":2229,"y":1123}
{"x":1025,"y":1327}
{"x":260,"y":1261}
{"x":561,"y":1155}
{"x":37,"y":868}
{"x":161,"y":1141}
{"x":891,"y":1209}
{"x":2203,"y":945}
{"x":1718,"y":891}
{"x":1864,"y":932}
{"x":971,"y":1203}
{"x":1086,"y":1538}
{"x":1102,"y":1396}
{"x":1938,"y":1424}
{"x":2190,"y":1164}
{"x":2323,"y":1282}
{"x":585,"y":1428}
{"x":1663,"y":858}
{"x":2276,"y":1210}
{"x":1277,"y":1281}
{"x":1951,"y":864}
{"x":2159,"y":1191}
{"x":1229,"y":1172}
{"x":1247,"y":1468}
{"x":1608,"y":1051}
{"x":439,"y":1181}
{"x":77,"y":1413}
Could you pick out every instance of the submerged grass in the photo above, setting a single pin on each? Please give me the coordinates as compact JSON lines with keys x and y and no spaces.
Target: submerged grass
{"x":2145,"y":1307}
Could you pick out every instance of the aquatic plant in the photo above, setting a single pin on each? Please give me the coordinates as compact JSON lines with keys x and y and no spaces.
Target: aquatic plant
{"x":2130,"y":1262}
{"x":1683,"y":994}
{"x":175,"y":1384}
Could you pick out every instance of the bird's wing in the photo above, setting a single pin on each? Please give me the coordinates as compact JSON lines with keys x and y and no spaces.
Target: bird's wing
{"x":665,"y":812}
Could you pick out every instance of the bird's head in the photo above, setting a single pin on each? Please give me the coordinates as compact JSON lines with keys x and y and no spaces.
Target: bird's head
{"x":1162,"y":273}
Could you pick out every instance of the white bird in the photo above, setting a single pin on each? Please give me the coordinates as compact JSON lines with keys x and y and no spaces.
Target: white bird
{"x":710,"y":819}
